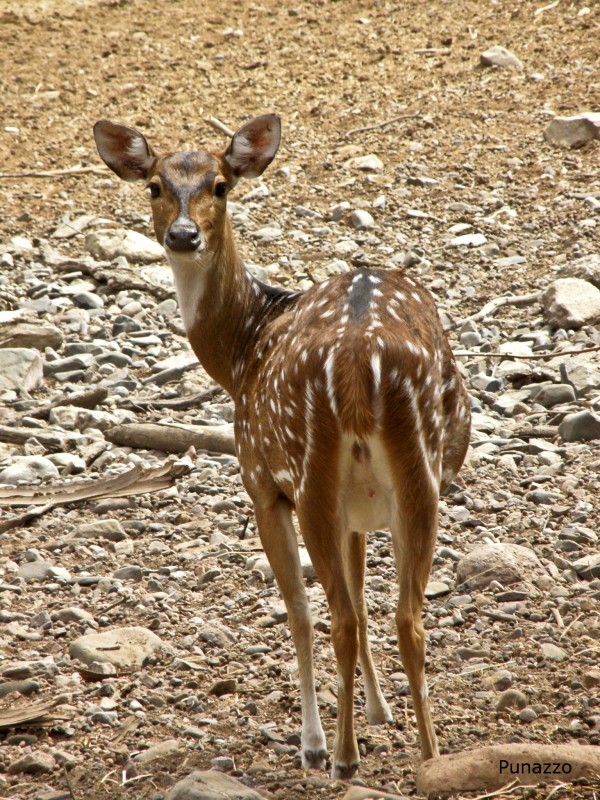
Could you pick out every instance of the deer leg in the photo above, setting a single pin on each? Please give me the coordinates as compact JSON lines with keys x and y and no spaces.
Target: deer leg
{"x":322,"y":537}
{"x":355,"y":553}
{"x":279,"y":540}
{"x":413,"y":536}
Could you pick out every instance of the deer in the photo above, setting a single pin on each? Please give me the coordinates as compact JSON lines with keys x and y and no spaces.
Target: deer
{"x":349,"y":411}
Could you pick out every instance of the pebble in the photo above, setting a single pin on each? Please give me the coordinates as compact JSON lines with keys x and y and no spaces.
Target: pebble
{"x":361,"y":220}
{"x":109,"y":529}
{"x":498,"y":56}
{"x":368,"y":163}
{"x":552,"y":652}
{"x":36,"y":763}
{"x":505,"y":563}
{"x":511,"y":698}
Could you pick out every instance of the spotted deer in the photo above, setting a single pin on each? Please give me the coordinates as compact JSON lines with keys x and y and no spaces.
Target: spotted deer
{"x":349,"y":410}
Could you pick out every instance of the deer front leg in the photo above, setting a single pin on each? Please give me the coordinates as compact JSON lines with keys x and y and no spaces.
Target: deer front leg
{"x":278,"y":538}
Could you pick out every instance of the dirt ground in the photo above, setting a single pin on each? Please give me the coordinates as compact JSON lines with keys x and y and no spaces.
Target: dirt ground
{"x":400,"y":80}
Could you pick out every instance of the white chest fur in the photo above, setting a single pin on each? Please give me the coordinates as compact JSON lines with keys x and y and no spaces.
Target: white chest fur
{"x":190,"y":274}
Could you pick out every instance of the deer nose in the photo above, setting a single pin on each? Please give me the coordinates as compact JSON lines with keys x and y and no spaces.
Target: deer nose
{"x":184,"y":237}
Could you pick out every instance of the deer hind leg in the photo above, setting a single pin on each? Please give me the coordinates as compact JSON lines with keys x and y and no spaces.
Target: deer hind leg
{"x":414,"y":529}
{"x":321,"y":533}
{"x":279,"y":540}
{"x":355,"y":551}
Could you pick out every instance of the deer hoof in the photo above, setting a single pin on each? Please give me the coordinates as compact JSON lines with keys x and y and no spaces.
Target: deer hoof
{"x":314,"y":759}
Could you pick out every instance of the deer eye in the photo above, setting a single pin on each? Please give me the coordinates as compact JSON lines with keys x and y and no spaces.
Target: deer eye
{"x":221,"y":189}
{"x":154,"y":190}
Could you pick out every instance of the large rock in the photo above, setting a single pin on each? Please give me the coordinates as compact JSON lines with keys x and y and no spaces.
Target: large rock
{"x":30,"y":334}
{"x":573,"y":131}
{"x":135,"y":247}
{"x":211,"y":785}
{"x":127,"y":649}
{"x":505,"y":563}
{"x":571,"y":303}
{"x":491,"y":768}
{"x":109,"y":529}
{"x":28,"y":469}
{"x":586,"y":268}
{"x":580,"y":427}
{"x":20,"y":368}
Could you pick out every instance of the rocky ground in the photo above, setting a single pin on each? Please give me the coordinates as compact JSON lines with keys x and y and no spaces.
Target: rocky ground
{"x":400,"y":148}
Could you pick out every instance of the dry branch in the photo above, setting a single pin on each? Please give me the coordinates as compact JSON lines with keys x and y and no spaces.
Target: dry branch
{"x":175,"y":403}
{"x":382,"y":124}
{"x":173,"y":438}
{"x":498,"y":302}
{"x":137,"y":480}
{"x":50,"y":439}
{"x":87,"y":399}
{"x":530,"y":356}
{"x":220,"y":126}
{"x":66,"y":172}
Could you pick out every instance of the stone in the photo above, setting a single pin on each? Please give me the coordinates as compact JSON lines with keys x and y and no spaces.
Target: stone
{"x":29,"y":469}
{"x":571,"y":303}
{"x":70,"y":463}
{"x":498,"y":56}
{"x":552,"y":394}
{"x":223,"y":687}
{"x":573,"y":131}
{"x":436,"y":589}
{"x":261,"y":563}
{"x":505,"y":563}
{"x":552,"y":652}
{"x":511,"y":698}
{"x":580,"y":427}
{"x":30,"y":335}
{"x":134,"y":246}
{"x":169,"y":747}
{"x":527,"y":714}
{"x":211,"y":785}
{"x":21,"y":368}
{"x":35,"y":571}
{"x":588,"y":567}
{"x":361,"y":220}
{"x":89,"y":300}
{"x":586,"y":268}
{"x":110,"y":529}
{"x":37,"y":763}
{"x":368,"y":163}
{"x":215,"y":634}
{"x":127,"y":649}
{"x":82,"y":361}
{"x":469,"y":240}
{"x":364,"y":793}
{"x":591,"y":678}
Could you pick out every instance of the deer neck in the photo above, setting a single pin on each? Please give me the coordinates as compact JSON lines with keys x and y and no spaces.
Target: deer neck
{"x":221,"y":307}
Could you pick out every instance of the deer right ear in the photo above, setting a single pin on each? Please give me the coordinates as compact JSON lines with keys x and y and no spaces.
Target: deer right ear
{"x":124,"y":150}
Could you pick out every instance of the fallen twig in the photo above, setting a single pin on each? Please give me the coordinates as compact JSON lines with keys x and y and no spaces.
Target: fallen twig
{"x":66,"y":172}
{"x":69,"y":785}
{"x":531,"y":356}
{"x":220,"y":126}
{"x":498,"y":302}
{"x":175,"y":403}
{"x":508,"y":788}
{"x":90,"y":398}
{"x":382,"y":124}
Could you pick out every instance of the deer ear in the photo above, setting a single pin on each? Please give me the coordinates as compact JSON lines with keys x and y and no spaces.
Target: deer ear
{"x":124,"y":150}
{"x":253,"y":147}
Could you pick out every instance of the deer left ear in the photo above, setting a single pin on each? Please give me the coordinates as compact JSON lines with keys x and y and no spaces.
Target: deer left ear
{"x":253,"y":147}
